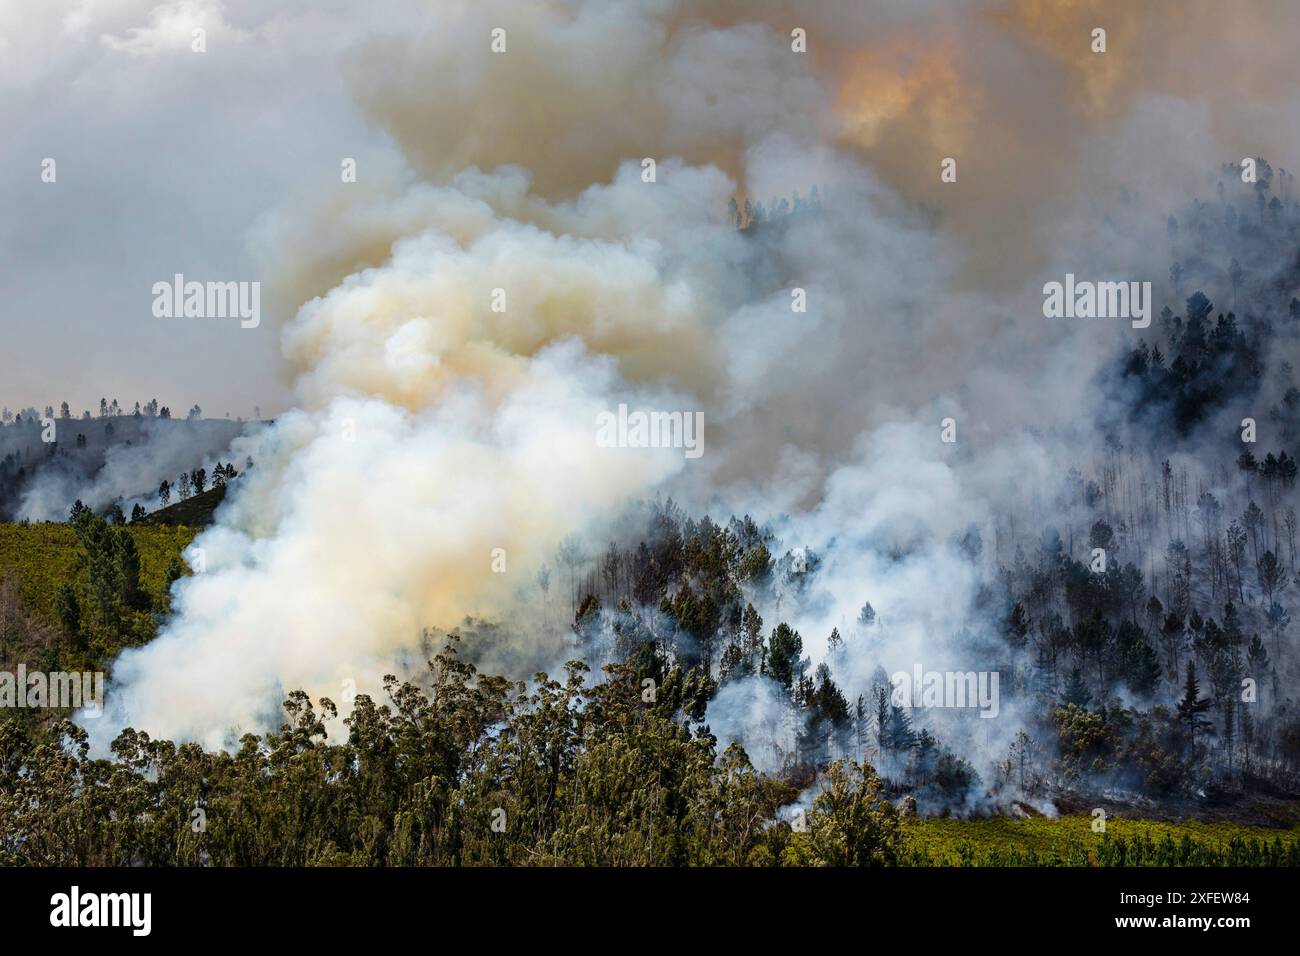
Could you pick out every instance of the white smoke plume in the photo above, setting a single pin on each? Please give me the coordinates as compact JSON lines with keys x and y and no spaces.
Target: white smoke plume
{"x":431,"y":430}
{"x":157,"y":449}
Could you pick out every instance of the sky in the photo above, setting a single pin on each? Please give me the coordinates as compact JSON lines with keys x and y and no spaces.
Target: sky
{"x":165,"y":160}
{"x":172,"y":161}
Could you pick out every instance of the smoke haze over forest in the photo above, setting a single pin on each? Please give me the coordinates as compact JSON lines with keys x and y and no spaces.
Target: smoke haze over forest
{"x":666,"y":205}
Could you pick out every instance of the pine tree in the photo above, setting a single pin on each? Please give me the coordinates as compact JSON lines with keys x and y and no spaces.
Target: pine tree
{"x":174,"y":570}
{"x":68,"y":608}
{"x":1076,"y":691}
{"x":1143,"y":667}
{"x":1279,"y":618}
{"x":1192,"y":707}
{"x":1247,"y":735}
{"x":1018,"y":626}
{"x":127,"y":559}
{"x":1045,"y":673}
{"x":784,"y":647}
{"x":882,"y":716}
{"x":1270,"y":574}
{"x":899,"y":735}
{"x":860,"y":725}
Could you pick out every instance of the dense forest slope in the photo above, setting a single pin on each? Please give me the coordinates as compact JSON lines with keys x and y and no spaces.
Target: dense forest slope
{"x":1137,"y":618}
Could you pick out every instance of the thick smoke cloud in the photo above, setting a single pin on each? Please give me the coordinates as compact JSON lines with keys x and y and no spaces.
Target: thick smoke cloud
{"x":431,"y":430}
{"x":125,"y":471}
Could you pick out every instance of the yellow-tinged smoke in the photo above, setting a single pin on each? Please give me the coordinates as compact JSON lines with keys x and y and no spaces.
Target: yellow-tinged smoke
{"x":464,"y":314}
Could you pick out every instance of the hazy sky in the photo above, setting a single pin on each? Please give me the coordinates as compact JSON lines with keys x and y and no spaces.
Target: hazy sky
{"x":433,"y":429}
{"x":165,"y":159}
{"x":168,"y":159}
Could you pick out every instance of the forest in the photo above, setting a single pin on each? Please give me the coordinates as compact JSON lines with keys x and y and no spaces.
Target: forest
{"x":1138,"y":616}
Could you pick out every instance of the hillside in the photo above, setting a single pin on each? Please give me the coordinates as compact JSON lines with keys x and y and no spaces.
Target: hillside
{"x":38,"y":561}
{"x":99,"y":461}
{"x":1071,"y":841}
{"x":194,"y":512}
{"x":479,"y":771}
